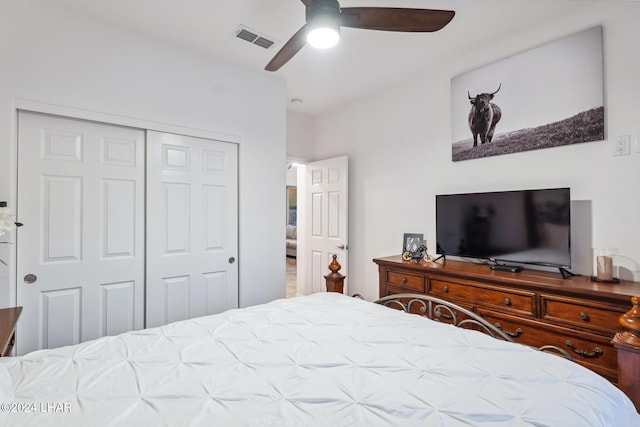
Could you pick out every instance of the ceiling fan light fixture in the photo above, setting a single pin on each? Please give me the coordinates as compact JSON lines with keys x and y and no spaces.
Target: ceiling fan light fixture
{"x":328,"y":13}
{"x":323,"y":32}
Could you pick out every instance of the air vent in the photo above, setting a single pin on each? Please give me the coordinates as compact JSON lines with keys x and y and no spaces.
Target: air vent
{"x":262,"y":42}
{"x":251,"y":36}
{"x":246,"y":35}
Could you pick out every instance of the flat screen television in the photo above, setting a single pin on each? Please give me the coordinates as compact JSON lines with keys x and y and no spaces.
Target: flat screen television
{"x":524,"y":226}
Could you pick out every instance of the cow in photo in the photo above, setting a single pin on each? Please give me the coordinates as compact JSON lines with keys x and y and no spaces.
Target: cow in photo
{"x":484,"y":116}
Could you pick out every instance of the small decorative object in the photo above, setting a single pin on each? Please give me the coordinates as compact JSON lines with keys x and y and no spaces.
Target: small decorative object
{"x":603,"y":269}
{"x":7,"y":222}
{"x":335,"y":280}
{"x":417,"y":255}
{"x":414,"y":248}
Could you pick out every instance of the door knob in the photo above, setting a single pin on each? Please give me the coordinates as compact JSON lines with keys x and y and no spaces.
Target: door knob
{"x":232,"y":260}
{"x":30,"y":278}
{"x":343,"y":247}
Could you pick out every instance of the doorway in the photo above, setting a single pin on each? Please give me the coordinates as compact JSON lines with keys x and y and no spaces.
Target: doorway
{"x":291,"y":222}
{"x":321,"y":217}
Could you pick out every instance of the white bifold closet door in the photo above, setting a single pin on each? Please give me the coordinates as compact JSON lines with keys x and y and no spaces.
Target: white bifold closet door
{"x":192,"y":227}
{"x":116,"y":238}
{"x":80,"y":270}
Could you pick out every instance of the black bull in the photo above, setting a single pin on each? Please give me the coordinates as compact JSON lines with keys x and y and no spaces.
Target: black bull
{"x":483,"y":117}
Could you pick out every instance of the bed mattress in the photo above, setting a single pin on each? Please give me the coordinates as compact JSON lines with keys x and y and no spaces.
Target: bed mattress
{"x":319,"y":360}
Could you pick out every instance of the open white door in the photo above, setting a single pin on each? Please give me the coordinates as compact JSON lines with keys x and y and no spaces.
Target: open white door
{"x":326,"y":231}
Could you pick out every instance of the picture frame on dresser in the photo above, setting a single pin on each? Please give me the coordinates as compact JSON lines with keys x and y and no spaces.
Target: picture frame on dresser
{"x":411,"y":241}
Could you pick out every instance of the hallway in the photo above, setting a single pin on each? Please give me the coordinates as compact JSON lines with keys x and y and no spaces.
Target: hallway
{"x":292,"y":281}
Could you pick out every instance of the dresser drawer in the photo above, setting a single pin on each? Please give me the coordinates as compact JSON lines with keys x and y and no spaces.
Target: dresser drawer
{"x":521,"y":332}
{"x":509,"y":300}
{"x":408,"y":281}
{"x":590,"y":350}
{"x":584,"y":314}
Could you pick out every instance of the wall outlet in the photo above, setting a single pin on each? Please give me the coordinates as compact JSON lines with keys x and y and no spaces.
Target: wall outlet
{"x":621,"y":145}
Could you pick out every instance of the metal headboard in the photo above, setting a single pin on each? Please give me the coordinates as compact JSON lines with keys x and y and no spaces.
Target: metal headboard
{"x":440,"y":310}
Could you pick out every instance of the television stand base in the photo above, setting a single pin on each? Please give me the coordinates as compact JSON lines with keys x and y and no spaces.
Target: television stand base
{"x":566,"y":273}
{"x":442,"y":256}
{"x":506,"y":267}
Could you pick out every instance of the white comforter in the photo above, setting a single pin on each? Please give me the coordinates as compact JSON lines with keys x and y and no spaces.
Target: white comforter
{"x":322,"y":360}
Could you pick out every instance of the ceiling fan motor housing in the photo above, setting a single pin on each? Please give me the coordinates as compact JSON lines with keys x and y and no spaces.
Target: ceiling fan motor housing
{"x":329,"y":8}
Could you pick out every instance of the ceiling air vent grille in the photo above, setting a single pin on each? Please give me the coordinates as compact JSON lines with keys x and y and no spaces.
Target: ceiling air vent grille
{"x":262,"y":42}
{"x":251,"y":36}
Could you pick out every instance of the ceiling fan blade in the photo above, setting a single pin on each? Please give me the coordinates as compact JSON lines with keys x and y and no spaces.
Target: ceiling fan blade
{"x":395,"y":19}
{"x":288,"y":51}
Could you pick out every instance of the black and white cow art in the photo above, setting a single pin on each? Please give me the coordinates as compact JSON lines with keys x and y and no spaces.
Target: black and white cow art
{"x":483,"y":117}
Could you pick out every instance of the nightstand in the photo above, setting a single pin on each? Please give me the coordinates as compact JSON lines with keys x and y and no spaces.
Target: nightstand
{"x":8,"y":319}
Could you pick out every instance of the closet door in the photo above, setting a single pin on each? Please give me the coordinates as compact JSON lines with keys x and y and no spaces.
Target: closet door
{"x":192,"y":227}
{"x":80,"y":253}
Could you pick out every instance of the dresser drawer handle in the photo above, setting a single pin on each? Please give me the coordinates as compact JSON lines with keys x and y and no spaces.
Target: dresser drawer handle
{"x":515,"y":334}
{"x":507,"y":301}
{"x":445,"y":289}
{"x":597,"y":352}
{"x":404,"y":280}
{"x":584,"y":316}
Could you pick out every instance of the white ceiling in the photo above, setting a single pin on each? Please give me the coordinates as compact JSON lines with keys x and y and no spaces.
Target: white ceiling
{"x":363,"y":62}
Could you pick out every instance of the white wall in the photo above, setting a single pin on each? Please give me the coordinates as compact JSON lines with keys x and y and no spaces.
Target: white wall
{"x":299,"y":136}
{"x":399,"y":144}
{"x":60,"y":58}
{"x":292,"y":176}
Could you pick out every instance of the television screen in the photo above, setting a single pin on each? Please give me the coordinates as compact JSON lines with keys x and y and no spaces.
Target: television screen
{"x":526,"y":226}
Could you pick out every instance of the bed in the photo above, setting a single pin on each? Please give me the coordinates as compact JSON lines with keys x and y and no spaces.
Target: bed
{"x":319,"y":360}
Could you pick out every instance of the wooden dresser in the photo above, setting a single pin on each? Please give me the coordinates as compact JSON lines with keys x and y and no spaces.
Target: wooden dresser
{"x":536,"y":308}
{"x":8,"y":320}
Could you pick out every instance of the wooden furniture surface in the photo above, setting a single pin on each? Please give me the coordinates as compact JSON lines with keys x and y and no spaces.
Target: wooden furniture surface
{"x":628,"y":345}
{"x":335,"y":280}
{"x":536,"y":308}
{"x":8,"y":320}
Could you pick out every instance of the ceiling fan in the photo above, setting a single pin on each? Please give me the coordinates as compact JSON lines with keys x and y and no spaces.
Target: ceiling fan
{"x":326,"y":16}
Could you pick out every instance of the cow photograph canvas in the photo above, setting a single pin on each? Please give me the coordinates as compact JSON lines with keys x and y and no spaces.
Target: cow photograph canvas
{"x":549,"y":96}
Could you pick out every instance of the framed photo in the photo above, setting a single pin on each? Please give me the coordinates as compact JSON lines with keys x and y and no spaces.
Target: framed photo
{"x":411,"y":242}
{"x":548,"y":96}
